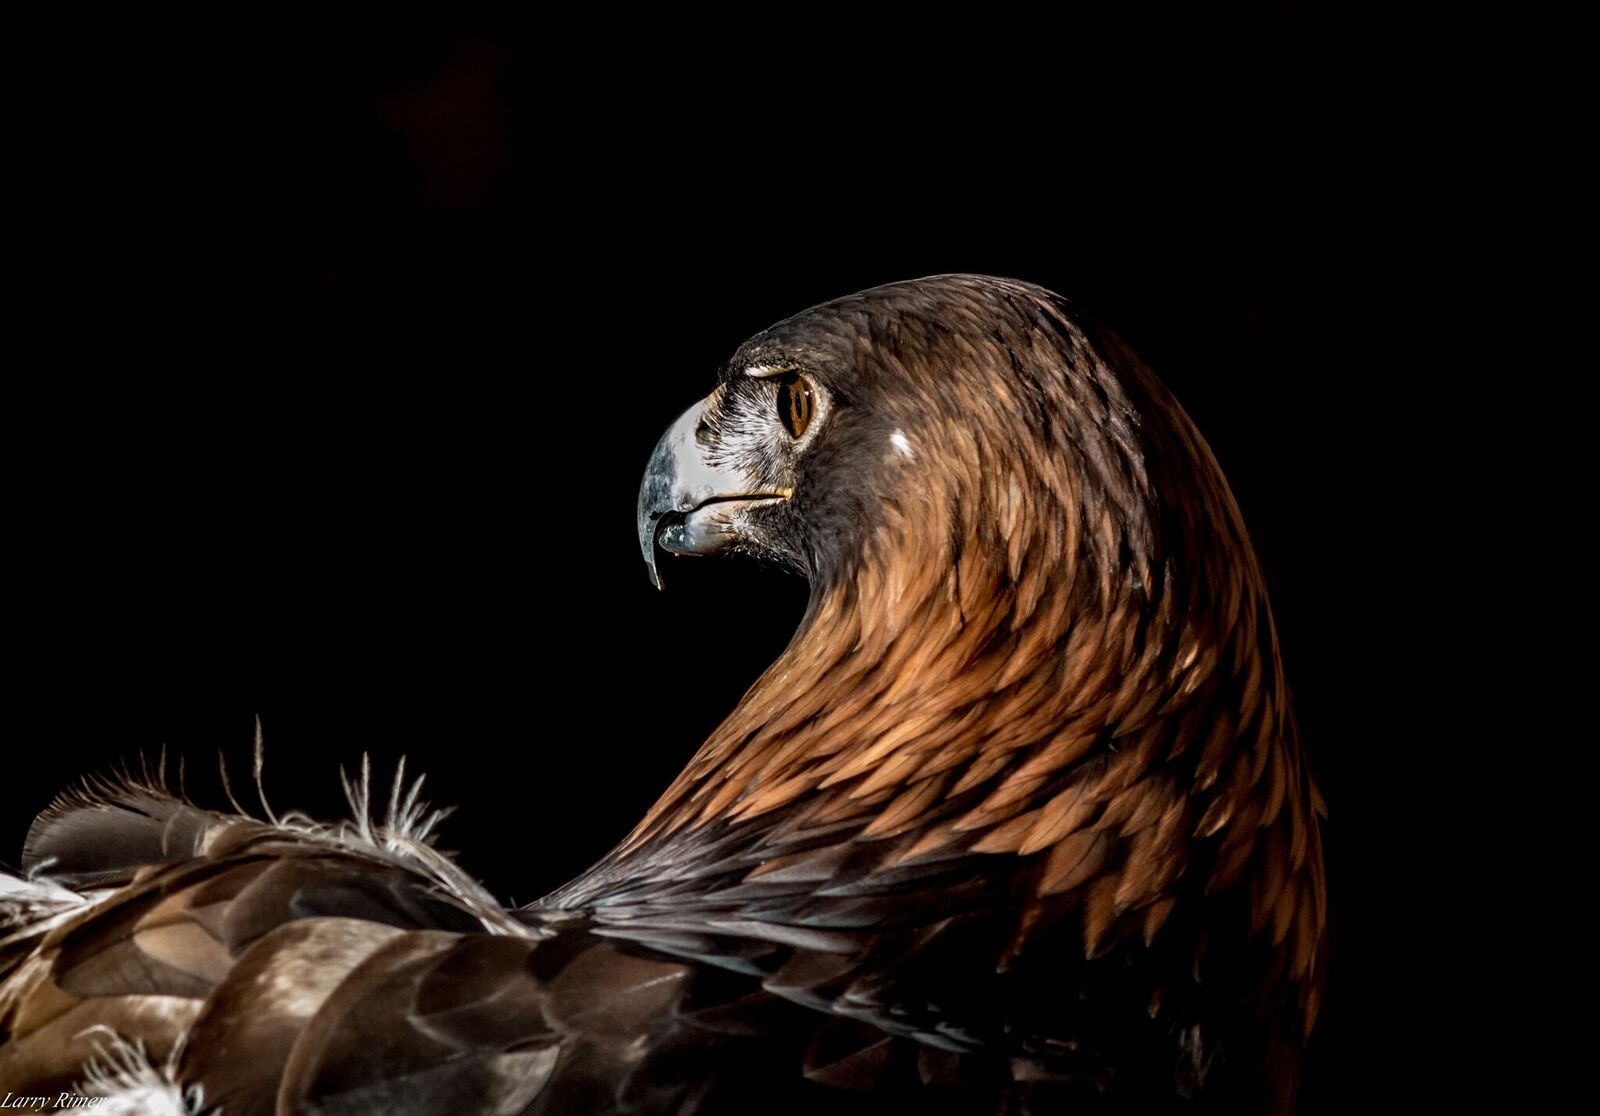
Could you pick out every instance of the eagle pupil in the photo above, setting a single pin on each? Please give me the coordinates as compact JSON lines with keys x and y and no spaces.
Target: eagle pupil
{"x":794,"y":404}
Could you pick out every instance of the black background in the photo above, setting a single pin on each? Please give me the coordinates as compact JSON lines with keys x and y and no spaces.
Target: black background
{"x":348,"y":336}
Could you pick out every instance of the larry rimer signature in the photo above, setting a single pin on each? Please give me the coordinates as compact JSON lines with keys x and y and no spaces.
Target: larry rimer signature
{"x":43,"y":1103}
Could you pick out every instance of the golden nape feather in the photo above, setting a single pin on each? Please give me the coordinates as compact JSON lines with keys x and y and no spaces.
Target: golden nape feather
{"x":1018,"y":823}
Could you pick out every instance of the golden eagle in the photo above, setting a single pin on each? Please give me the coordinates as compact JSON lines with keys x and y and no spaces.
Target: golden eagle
{"x":1019,"y":822}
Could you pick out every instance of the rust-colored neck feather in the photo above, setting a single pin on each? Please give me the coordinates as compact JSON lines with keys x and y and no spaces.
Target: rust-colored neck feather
{"x":941,"y":652}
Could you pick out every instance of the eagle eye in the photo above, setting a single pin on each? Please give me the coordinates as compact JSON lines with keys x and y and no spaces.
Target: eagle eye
{"x":797,"y":402}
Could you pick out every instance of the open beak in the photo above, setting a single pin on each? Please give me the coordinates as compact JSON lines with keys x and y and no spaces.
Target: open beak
{"x":689,"y":504}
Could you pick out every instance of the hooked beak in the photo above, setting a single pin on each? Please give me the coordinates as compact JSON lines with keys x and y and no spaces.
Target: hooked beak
{"x":689,"y":504}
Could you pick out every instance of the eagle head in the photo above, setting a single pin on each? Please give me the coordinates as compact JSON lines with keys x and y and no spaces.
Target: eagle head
{"x":959,"y":414}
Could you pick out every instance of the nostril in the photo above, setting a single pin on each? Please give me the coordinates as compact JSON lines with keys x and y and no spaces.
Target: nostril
{"x":702,"y":431}
{"x":665,"y":521}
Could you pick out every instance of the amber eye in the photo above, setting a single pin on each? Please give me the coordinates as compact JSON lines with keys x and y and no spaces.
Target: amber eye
{"x":796,"y":403}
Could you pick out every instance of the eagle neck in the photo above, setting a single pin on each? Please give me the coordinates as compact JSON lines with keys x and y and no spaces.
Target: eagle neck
{"x":949,"y":642}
